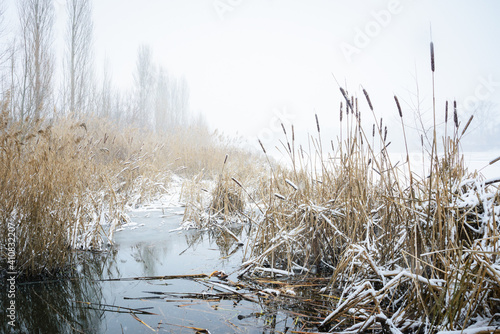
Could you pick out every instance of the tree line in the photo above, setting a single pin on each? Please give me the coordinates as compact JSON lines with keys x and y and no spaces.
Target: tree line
{"x":158,"y":101}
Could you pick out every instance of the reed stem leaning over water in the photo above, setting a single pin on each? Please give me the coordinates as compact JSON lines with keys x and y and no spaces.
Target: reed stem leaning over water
{"x":407,"y":248}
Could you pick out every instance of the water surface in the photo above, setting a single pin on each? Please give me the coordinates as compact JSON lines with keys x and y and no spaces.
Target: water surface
{"x":109,"y":292}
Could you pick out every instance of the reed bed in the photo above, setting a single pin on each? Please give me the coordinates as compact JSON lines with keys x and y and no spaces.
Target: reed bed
{"x":211,"y":202}
{"x":405,"y":252}
{"x":63,"y":186}
{"x":67,"y":184}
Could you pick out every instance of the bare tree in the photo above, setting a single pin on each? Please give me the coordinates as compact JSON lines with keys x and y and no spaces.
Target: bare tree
{"x":105,"y":95}
{"x":4,"y":51}
{"x":171,"y":102}
{"x":143,"y":87}
{"x":180,"y":106}
{"x":7,"y":63}
{"x":161,"y":101}
{"x":37,"y":62}
{"x":78,"y":62}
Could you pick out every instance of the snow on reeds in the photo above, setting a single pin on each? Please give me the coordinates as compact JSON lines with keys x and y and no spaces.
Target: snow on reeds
{"x":67,"y":186}
{"x":222,"y":199}
{"x":55,"y":192}
{"x":404,"y":251}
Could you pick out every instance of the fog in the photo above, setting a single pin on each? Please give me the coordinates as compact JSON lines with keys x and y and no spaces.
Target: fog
{"x":248,"y":63}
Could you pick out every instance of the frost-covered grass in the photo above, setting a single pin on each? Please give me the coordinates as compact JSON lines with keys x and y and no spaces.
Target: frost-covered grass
{"x":69,"y":184}
{"x":222,"y":200}
{"x":405,"y":251}
{"x":62,"y":186}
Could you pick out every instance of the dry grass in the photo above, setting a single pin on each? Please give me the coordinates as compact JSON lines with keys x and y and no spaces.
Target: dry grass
{"x":67,"y":185}
{"x":210,"y":202}
{"x":61,"y":185}
{"x":406,"y":252}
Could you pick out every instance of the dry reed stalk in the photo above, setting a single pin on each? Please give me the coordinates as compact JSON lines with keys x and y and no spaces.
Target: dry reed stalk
{"x":316,"y":227}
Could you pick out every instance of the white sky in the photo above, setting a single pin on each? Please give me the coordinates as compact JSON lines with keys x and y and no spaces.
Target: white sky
{"x":248,"y":59}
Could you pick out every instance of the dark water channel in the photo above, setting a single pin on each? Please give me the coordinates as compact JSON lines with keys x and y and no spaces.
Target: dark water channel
{"x":105,"y":296}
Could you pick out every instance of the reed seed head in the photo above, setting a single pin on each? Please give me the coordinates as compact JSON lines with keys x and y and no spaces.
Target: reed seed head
{"x":446,"y":112}
{"x":368,"y":99}
{"x":262,"y":146}
{"x":341,"y":111}
{"x":432,"y":57}
{"x":455,"y":114}
{"x":467,"y":125}
{"x":399,"y":106}
{"x":237,"y":182}
{"x":349,"y":104}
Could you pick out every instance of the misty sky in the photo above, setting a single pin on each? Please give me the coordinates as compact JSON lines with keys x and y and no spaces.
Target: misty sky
{"x":247,"y":61}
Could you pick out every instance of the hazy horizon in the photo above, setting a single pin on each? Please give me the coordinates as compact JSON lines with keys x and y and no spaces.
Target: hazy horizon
{"x":248,"y":62}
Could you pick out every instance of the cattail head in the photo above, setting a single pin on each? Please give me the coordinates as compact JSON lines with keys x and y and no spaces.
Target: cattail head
{"x":283,"y":127}
{"x":432,"y":57}
{"x":385,"y":133}
{"x":422,"y":140}
{"x":225,"y":159}
{"x":349,"y":104}
{"x":237,"y":182}
{"x":467,"y":125}
{"x":340,"y":111}
{"x":373,"y":131}
{"x":446,"y":112}
{"x":368,"y":99}
{"x":455,"y":114}
{"x":317,"y":122}
{"x":399,"y":106}
{"x":262,"y":146}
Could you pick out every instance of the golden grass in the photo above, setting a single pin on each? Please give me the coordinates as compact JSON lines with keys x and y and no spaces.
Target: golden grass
{"x":60,"y":185}
{"x":405,"y":251}
{"x":68,"y":184}
{"x":413,"y":247}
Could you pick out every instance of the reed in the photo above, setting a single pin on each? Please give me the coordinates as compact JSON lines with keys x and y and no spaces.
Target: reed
{"x":68,"y":184}
{"x":414,"y":253}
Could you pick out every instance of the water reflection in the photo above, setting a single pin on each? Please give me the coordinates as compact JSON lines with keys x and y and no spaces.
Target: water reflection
{"x":103,"y":286}
{"x":226,"y":244}
{"x":50,"y":306}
